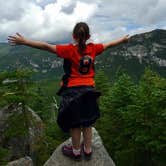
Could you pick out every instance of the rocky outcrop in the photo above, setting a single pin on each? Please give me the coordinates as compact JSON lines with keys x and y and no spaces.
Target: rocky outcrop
{"x":21,"y":129}
{"x":100,"y":155}
{"x":26,"y":161}
{"x":141,"y":51}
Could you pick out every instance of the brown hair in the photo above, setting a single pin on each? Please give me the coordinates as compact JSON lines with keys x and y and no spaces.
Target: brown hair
{"x":81,"y":34}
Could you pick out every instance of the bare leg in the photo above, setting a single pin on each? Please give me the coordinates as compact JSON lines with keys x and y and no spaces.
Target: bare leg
{"x":87,"y":135}
{"x":76,"y":135}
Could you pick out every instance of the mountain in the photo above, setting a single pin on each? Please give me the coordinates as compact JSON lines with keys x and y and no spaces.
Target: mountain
{"x":43,"y":63}
{"x":142,"y":50}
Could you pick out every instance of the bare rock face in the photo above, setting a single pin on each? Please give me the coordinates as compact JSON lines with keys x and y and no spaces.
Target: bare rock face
{"x":100,"y":155}
{"x":26,"y":161}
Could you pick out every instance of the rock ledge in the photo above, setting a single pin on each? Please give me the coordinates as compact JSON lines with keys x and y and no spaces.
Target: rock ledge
{"x":100,"y":155}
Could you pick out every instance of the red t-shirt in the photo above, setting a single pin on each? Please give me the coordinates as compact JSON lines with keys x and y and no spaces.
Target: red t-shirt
{"x":79,"y":69}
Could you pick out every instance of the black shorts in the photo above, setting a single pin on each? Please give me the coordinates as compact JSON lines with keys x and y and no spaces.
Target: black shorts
{"x":78,"y":107}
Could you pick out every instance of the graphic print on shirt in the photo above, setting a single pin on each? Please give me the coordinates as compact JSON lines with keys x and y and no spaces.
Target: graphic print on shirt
{"x":85,"y":64}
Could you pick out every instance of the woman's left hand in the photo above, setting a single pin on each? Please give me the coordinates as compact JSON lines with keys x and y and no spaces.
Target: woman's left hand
{"x":126,"y":38}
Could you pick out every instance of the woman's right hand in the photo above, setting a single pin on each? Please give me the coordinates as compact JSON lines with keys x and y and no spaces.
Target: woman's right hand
{"x":16,"y":40}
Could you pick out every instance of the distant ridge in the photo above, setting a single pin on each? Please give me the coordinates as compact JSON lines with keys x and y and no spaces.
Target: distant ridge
{"x":143,"y":50}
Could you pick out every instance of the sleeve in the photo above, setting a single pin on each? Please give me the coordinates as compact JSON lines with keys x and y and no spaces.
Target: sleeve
{"x":63,"y":51}
{"x":99,"y":48}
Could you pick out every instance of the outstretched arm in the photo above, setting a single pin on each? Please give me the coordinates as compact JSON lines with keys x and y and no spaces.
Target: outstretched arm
{"x":20,"y":40}
{"x":116,"y":42}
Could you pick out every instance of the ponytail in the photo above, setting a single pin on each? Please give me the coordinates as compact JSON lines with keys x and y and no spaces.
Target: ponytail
{"x":81,"y":34}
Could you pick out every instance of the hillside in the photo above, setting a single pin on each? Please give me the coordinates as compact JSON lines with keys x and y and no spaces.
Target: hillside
{"x":142,"y":50}
{"x":44,"y":64}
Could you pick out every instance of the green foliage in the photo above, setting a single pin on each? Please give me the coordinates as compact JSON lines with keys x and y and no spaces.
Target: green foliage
{"x":53,"y":137}
{"x":42,"y":103}
{"x":132,"y":123}
{"x":134,"y":116}
{"x":4,"y":153}
{"x":102,"y":82}
{"x":15,"y":86}
{"x":16,"y":126}
{"x":151,"y":116}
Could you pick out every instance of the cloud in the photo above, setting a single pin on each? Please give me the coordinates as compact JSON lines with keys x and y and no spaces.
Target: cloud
{"x":49,"y":23}
{"x":11,"y":11}
{"x":53,"y":20}
{"x":119,"y":17}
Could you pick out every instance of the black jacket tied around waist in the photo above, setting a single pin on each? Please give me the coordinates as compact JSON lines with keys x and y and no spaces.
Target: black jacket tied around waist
{"x":78,"y":107}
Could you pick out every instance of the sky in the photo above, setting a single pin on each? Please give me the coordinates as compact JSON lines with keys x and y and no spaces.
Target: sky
{"x":53,"y":20}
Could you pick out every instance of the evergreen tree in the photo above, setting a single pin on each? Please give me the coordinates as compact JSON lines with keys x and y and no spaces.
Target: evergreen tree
{"x":133,"y":120}
{"x":150,"y":135}
{"x":102,"y":82}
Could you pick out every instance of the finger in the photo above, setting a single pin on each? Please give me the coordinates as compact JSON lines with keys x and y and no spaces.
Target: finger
{"x":9,"y":40}
{"x":18,"y":34}
{"x":127,"y":36}
{"x":12,"y":40}
{"x":11,"y":37}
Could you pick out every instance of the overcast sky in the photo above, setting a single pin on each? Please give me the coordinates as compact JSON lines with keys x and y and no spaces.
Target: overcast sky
{"x":53,"y":20}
